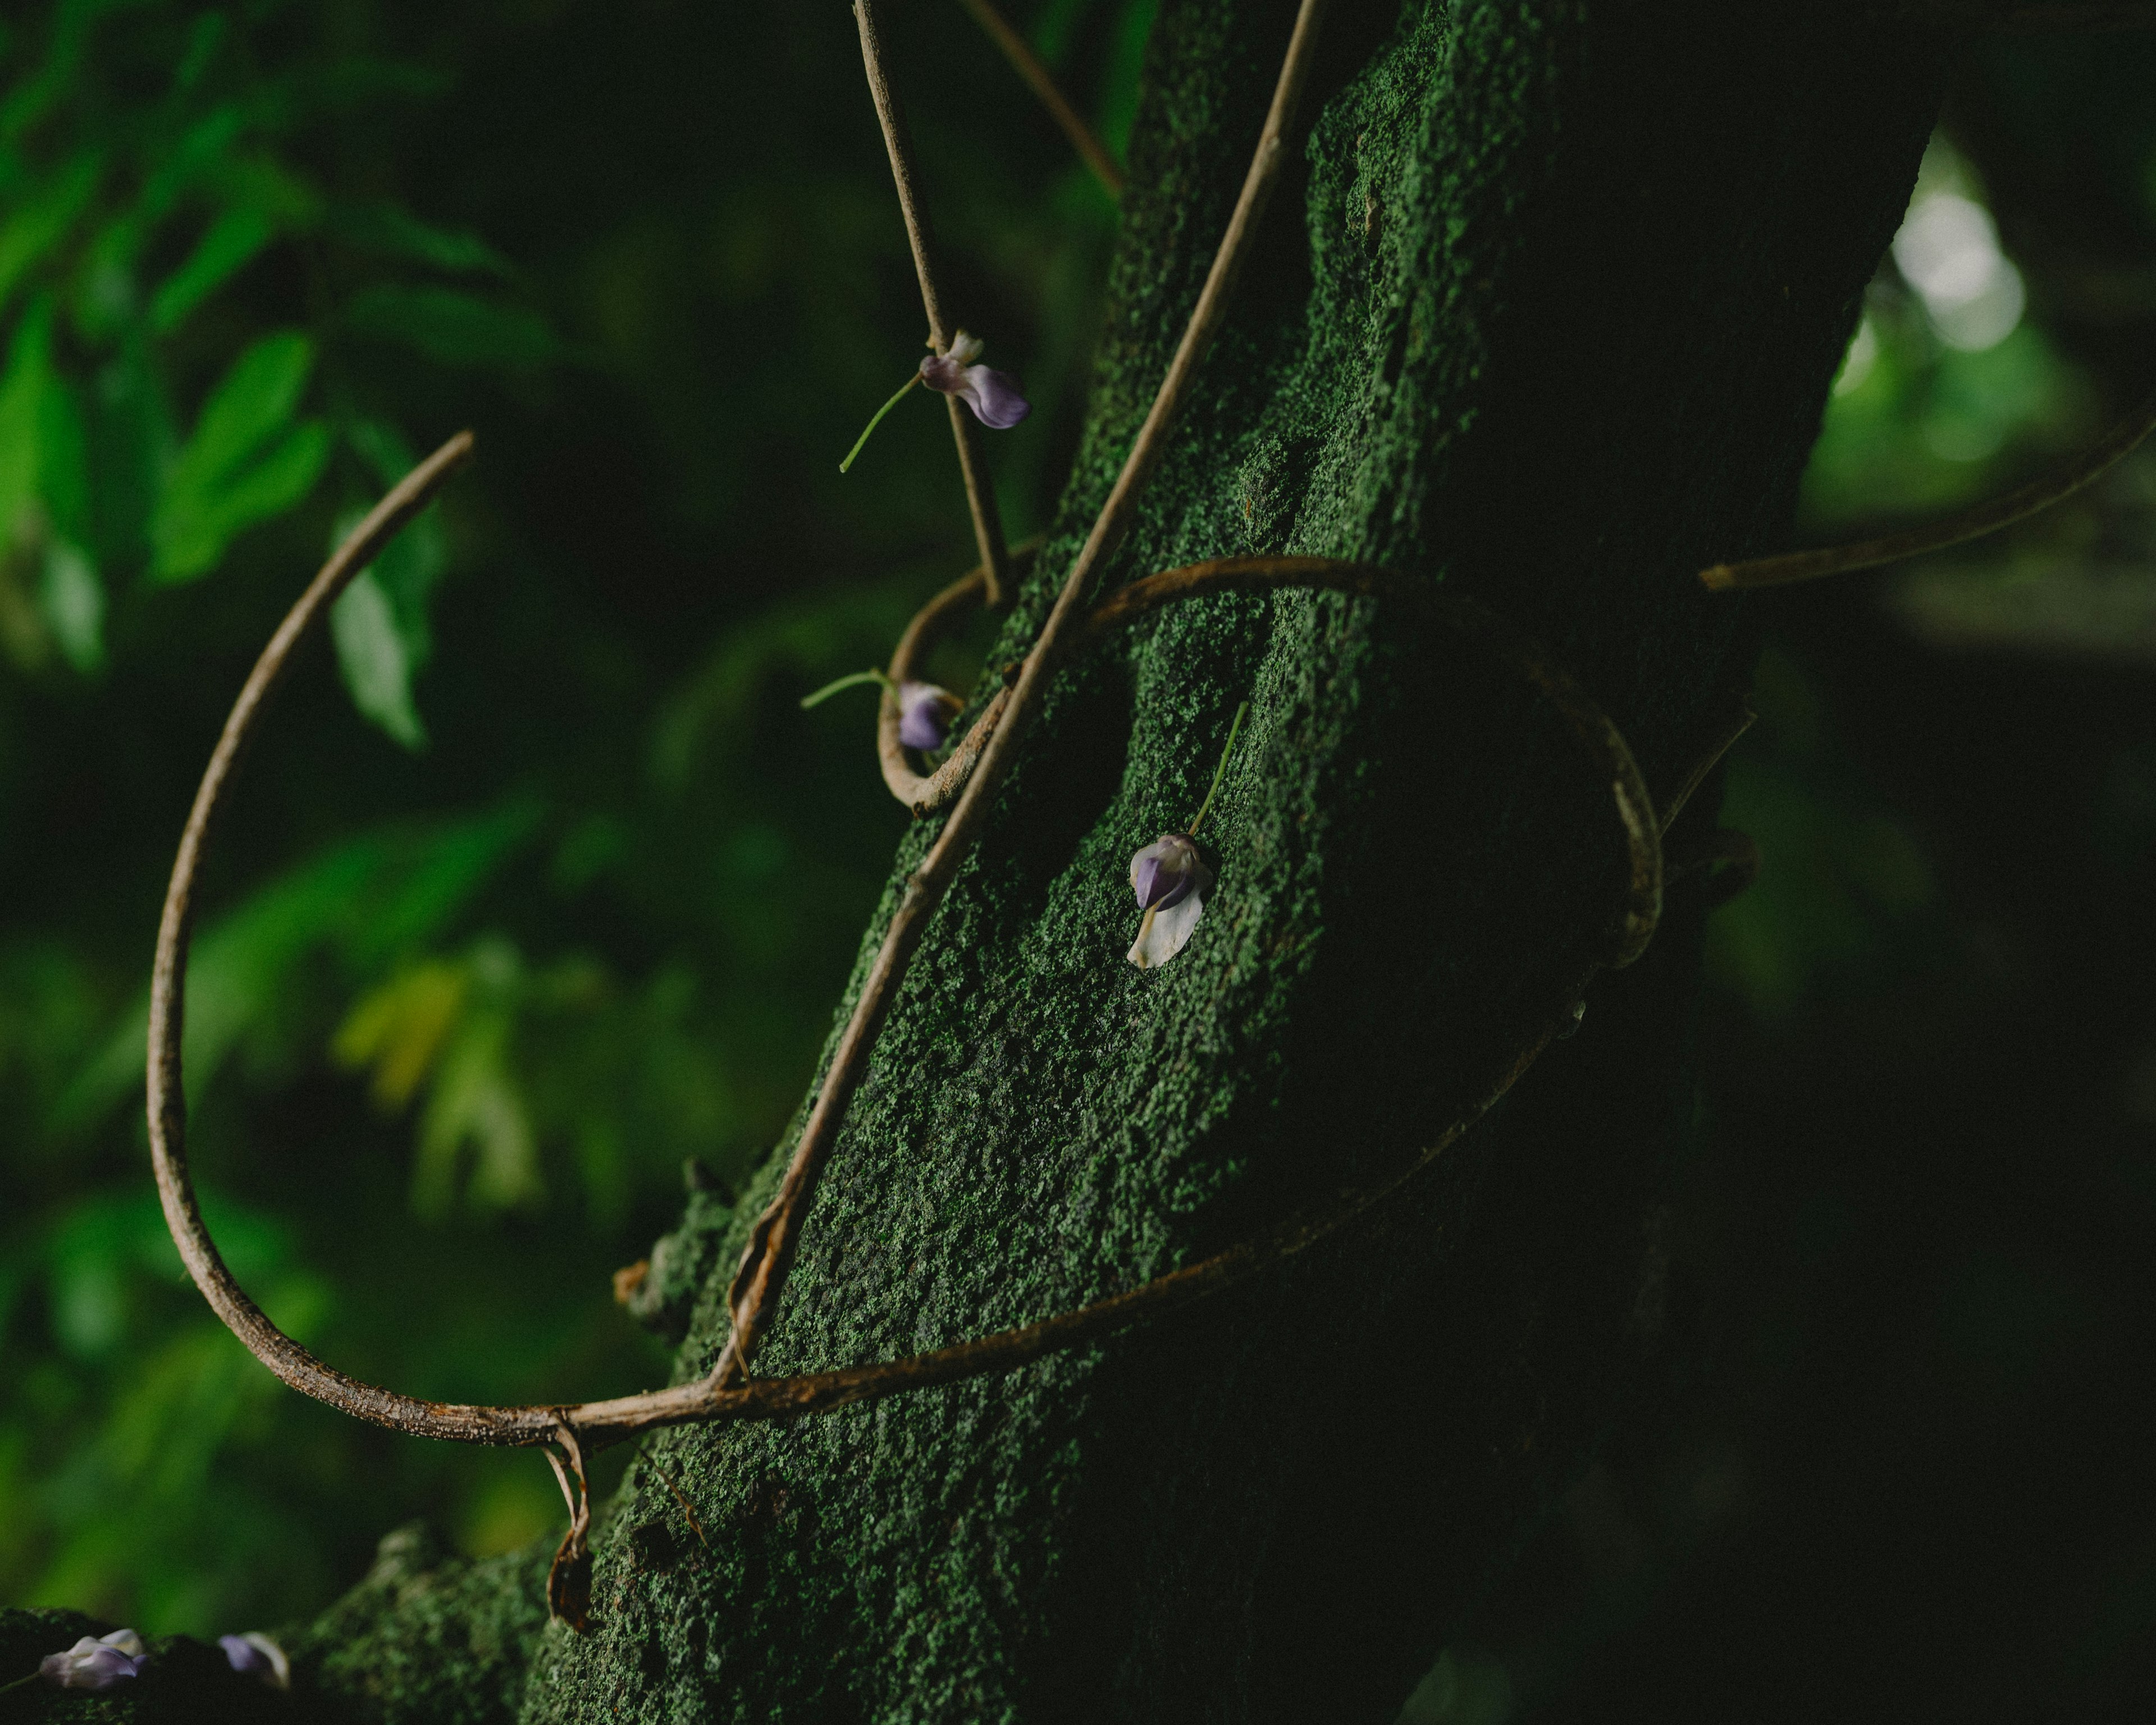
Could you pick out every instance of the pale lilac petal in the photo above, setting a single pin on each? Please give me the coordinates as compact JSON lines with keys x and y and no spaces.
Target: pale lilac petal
{"x":965,"y":348}
{"x":994,"y":397}
{"x":924,"y":713}
{"x":256,"y":1654}
{"x":95,"y":1664}
{"x":1166,"y":931}
{"x":1165,"y":872}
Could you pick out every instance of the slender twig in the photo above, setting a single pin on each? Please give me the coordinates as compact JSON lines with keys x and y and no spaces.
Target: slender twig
{"x":973,"y":462}
{"x":1973,"y":523}
{"x":752,"y":1300}
{"x":852,"y":680}
{"x":1028,"y":65}
{"x":1589,"y":725}
{"x":809,"y":1393}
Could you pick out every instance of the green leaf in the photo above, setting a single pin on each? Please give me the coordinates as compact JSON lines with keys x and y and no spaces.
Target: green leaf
{"x":23,"y":417}
{"x":134,"y":448}
{"x":380,"y":622}
{"x":251,"y":402}
{"x":376,"y":661}
{"x":455,"y":328}
{"x":71,"y":601}
{"x":475,"y":1101}
{"x":192,"y":528}
{"x":42,"y":220}
{"x":204,"y":146}
{"x":44,"y":476}
{"x":367,"y":899}
{"x":246,"y":462}
{"x":233,"y":241}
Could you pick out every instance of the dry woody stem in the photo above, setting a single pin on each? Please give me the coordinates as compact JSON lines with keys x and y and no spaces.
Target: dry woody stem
{"x":1972,"y":523}
{"x":1027,"y":63}
{"x":965,"y":430}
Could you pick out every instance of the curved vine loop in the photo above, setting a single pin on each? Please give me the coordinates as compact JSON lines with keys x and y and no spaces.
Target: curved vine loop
{"x":166,"y":1100}
{"x":924,"y":794}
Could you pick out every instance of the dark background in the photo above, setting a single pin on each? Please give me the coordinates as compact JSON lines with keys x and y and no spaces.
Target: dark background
{"x":557,"y":885}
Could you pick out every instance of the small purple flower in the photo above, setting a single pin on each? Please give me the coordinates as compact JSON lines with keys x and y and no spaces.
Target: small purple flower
{"x":924,"y":713}
{"x":1171,"y":880}
{"x":994,"y":397}
{"x":255,"y":1655}
{"x":96,"y":1664}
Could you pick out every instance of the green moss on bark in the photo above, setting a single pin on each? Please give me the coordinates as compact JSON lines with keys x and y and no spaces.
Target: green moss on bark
{"x":1549,"y":311}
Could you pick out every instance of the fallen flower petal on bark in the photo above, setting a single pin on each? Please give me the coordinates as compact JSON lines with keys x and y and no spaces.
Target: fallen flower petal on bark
{"x":256,"y":1654}
{"x":96,"y":1663}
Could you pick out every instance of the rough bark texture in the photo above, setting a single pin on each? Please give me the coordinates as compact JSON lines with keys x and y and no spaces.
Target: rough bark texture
{"x":1549,"y":311}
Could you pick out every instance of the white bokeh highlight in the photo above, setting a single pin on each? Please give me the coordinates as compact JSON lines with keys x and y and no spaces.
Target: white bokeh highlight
{"x":1948,"y":250}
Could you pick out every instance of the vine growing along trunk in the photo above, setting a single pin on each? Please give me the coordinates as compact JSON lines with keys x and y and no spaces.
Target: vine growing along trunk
{"x":1546,"y":312}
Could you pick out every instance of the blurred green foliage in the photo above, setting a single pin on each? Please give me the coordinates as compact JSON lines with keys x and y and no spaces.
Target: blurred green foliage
{"x":561,"y":890}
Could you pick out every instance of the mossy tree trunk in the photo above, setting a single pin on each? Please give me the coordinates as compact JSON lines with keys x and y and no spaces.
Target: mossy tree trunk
{"x":1547,"y":312}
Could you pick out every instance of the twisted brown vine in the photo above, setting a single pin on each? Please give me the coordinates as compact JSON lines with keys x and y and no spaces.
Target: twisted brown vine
{"x":1974,"y":522}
